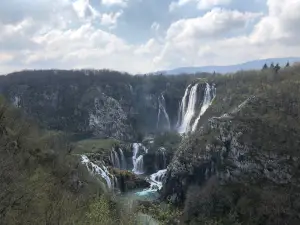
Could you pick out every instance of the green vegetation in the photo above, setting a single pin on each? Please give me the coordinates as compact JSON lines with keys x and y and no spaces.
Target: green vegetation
{"x":42,"y":181}
{"x":169,"y":140}
{"x":269,"y":128}
{"x":95,"y":146}
{"x":166,"y":214}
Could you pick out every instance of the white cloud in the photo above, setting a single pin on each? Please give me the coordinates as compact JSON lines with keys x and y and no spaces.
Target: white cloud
{"x":66,"y":34}
{"x":208,"y":4}
{"x":212,"y":38}
{"x":155,"y":26}
{"x":213,"y":24}
{"x":201,"y":4}
{"x":110,"y":19}
{"x":122,"y":3}
{"x":84,"y":9}
{"x":282,"y":23}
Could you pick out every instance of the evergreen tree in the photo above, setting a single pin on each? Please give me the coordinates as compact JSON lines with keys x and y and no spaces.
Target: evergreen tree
{"x":265,"y":67}
{"x":272,"y":66}
{"x":288,"y":64}
{"x":277,"y":68}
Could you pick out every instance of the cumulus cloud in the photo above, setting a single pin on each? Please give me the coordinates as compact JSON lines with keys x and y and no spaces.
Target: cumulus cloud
{"x":201,"y":4}
{"x":76,"y":34}
{"x":155,"y":26}
{"x":208,"y":4}
{"x":211,"y":39}
{"x":110,"y":19}
{"x":122,"y":3}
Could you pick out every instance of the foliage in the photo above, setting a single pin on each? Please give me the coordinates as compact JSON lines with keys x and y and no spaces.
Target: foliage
{"x":42,"y":181}
{"x":95,"y":145}
{"x":166,"y":214}
{"x":169,"y":140}
{"x":269,"y":125}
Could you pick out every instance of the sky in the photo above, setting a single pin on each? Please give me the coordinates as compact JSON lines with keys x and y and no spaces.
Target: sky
{"x":140,"y":36}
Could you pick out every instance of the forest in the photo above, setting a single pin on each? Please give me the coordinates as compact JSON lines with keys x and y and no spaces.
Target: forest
{"x":251,"y":151}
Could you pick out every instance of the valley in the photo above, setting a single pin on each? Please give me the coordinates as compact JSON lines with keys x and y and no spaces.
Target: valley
{"x":186,"y":149}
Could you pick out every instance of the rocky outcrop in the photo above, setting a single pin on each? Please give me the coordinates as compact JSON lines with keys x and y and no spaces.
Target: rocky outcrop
{"x":236,"y":148}
{"x":127,"y":180}
{"x":107,"y":119}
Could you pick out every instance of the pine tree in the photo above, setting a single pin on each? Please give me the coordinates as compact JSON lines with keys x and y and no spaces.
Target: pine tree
{"x":265,"y":67}
{"x":277,"y":68}
{"x":288,"y":64}
{"x":272,"y":66}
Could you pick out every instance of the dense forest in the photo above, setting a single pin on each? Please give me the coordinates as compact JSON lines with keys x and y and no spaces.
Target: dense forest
{"x":241,"y":165}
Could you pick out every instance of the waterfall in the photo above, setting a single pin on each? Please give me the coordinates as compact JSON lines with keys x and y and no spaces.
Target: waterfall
{"x":162,"y":108}
{"x":139,"y":165}
{"x":97,"y":170}
{"x":189,"y":111}
{"x":123,"y":160}
{"x":157,"y":179}
{"x":161,"y":159}
{"x":137,"y":158}
{"x":209,"y":95}
{"x":182,"y":106}
{"x":114,"y":157}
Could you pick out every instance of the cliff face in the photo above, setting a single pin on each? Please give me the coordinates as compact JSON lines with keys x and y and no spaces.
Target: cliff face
{"x":235,"y":147}
{"x":242,"y":166}
{"x":95,"y":103}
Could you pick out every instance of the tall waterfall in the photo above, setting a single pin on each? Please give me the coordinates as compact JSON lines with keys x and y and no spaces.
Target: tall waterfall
{"x":209,"y":95}
{"x":182,"y":107}
{"x":189,"y":111}
{"x":97,"y":170}
{"x":162,"y":108}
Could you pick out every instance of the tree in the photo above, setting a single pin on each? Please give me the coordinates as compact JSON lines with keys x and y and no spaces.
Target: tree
{"x":272,"y":66}
{"x":277,"y":68}
{"x":265,"y":67}
{"x":288,"y":64}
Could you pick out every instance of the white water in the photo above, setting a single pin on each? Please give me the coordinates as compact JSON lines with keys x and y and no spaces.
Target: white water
{"x":115,"y":159}
{"x":139,"y":165}
{"x":161,"y":153}
{"x":209,"y":95}
{"x":123,"y":160}
{"x":137,"y":158}
{"x":97,"y":170}
{"x":182,"y":107}
{"x":188,"y":112}
{"x":162,"y":108}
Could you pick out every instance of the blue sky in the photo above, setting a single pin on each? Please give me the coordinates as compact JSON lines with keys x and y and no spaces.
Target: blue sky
{"x":140,"y":36}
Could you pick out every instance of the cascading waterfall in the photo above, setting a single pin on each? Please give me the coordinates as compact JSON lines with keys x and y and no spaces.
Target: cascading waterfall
{"x":155,"y":181}
{"x":209,"y":95}
{"x":189,"y":111}
{"x":162,"y":108}
{"x":137,"y":158}
{"x":97,"y":170}
{"x":123,"y":160}
{"x":161,"y":158}
{"x":115,"y":159}
{"x":139,"y":165}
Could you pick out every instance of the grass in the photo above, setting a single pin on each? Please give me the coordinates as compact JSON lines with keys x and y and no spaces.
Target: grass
{"x":95,"y":145}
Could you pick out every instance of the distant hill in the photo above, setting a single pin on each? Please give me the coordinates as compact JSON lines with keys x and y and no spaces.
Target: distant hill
{"x":251,"y":65}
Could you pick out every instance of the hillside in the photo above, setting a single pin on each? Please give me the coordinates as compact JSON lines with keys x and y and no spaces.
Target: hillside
{"x":251,"y":65}
{"x":235,"y":161}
